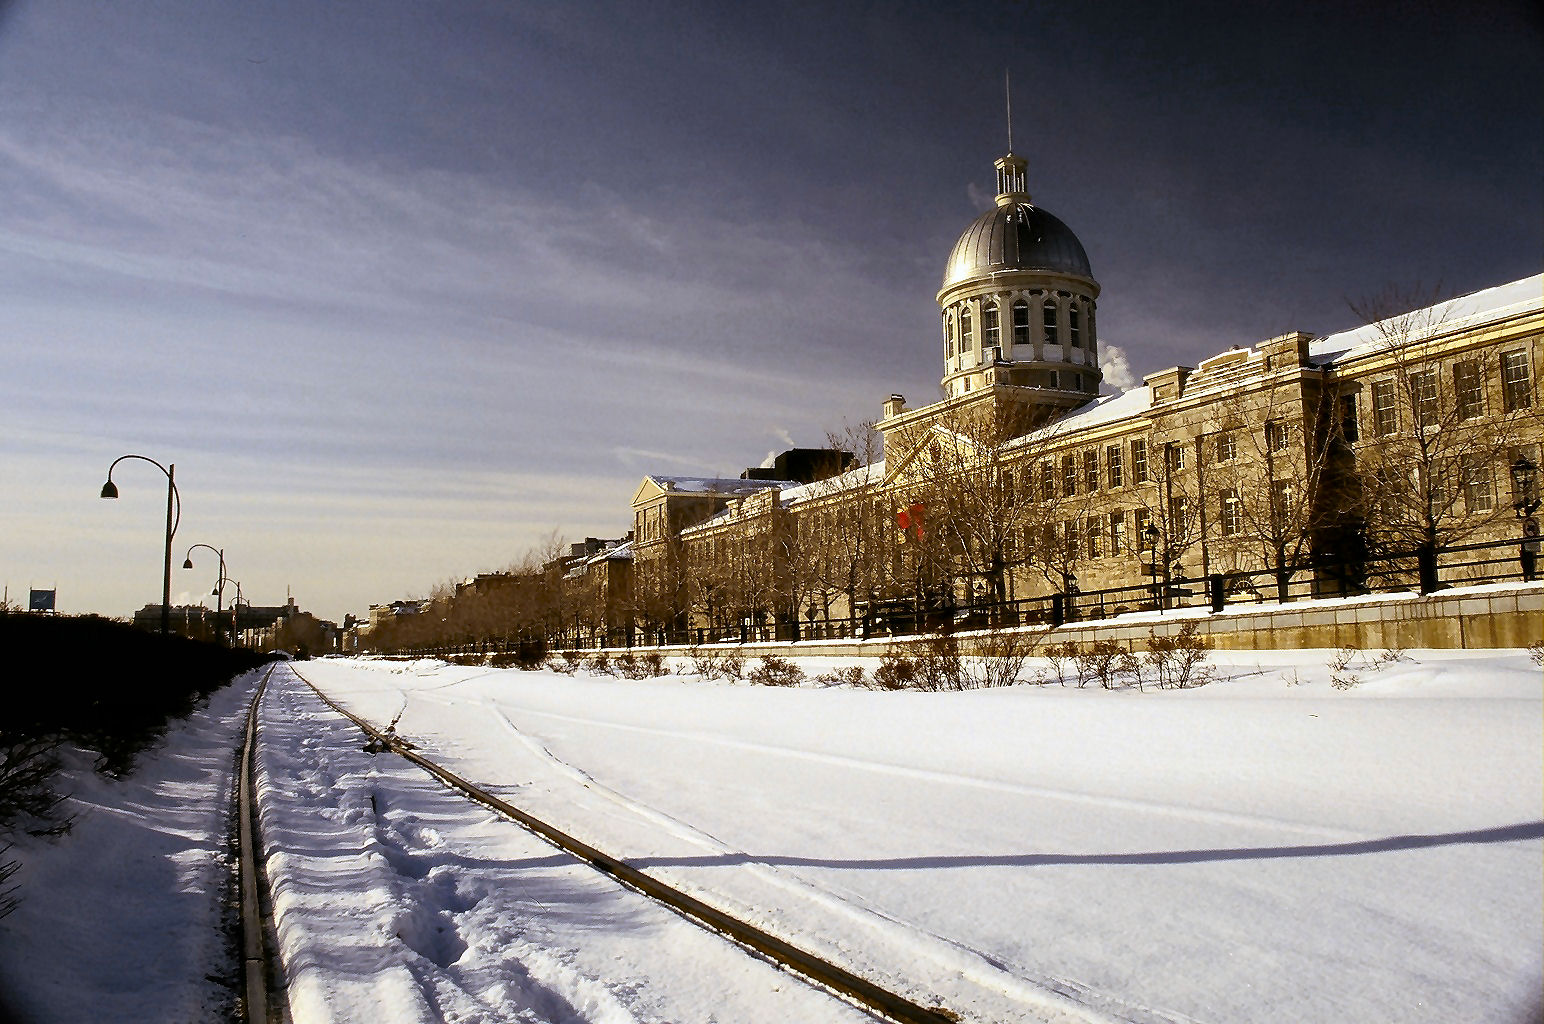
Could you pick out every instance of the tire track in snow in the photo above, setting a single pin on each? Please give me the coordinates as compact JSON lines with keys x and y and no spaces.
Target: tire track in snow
{"x":1065,"y":999}
{"x":1198,"y":814}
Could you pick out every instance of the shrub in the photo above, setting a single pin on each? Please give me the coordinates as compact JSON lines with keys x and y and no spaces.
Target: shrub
{"x":775,"y":671}
{"x":1001,"y":655}
{"x":939,"y":666}
{"x":525,"y":656}
{"x":1341,"y":675}
{"x":847,"y":675}
{"x":732,"y":665}
{"x":640,"y":666}
{"x":600,"y":664}
{"x":1536,"y":653}
{"x":567,"y":662}
{"x":1104,"y":661}
{"x":1057,"y":657}
{"x":704,"y":661}
{"x":895,"y":672}
{"x":1178,"y":661}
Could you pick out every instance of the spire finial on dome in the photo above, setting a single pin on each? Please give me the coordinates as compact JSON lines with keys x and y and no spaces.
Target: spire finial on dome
{"x":1011,"y":183}
{"x":1008,"y":96}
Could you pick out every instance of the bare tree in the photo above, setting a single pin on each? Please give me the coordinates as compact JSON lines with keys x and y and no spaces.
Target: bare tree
{"x":1442,"y":427}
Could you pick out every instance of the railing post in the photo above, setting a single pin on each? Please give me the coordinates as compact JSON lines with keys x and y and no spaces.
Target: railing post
{"x":1058,"y":610}
{"x":1217,"y":587}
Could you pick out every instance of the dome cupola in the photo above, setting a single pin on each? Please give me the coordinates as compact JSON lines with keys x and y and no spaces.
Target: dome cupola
{"x":1018,"y":302}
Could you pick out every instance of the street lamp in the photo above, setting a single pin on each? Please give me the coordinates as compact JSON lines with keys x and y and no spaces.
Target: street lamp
{"x":235,"y":603}
{"x":1525,"y":502}
{"x":1525,"y":494}
{"x":1150,"y":535}
{"x":173,"y":499}
{"x":219,"y":587}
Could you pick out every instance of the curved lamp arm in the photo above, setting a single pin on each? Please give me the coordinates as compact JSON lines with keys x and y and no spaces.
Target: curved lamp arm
{"x":110,"y":489}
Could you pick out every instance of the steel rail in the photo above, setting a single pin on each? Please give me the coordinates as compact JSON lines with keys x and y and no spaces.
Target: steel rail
{"x":831,"y":976}
{"x":261,"y":1005}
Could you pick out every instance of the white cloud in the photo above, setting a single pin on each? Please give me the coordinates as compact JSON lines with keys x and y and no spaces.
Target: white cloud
{"x":1117,"y":369}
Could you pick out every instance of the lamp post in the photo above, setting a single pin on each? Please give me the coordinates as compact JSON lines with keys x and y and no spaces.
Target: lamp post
{"x":1525,"y":502}
{"x":173,"y":499}
{"x":235,"y":604}
{"x":219,"y":587}
{"x":1150,"y":535}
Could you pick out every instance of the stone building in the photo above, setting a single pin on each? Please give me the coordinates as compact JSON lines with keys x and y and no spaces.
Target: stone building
{"x":1297,"y":465}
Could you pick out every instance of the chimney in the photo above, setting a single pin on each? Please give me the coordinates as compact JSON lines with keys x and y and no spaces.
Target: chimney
{"x":895,"y":405}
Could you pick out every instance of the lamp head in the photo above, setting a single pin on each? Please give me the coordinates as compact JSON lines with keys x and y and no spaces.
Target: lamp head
{"x":187,"y":563}
{"x":109,"y":490}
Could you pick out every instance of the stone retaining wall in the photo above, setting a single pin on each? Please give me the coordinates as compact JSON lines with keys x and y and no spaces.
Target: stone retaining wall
{"x":1492,"y":616}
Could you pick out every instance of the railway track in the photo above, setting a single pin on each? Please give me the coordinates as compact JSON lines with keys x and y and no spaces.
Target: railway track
{"x":263,"y":995}
{"x":885,"y":1004}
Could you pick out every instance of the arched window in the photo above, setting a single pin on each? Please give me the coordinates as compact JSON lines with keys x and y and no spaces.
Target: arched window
{"x":991,"y":336}
{"x":967,"y":339}
{"x":1049,"y":321}
{"x":1021,"y":323}
{"x":1074,"y":326}
{"x":948,"y":337}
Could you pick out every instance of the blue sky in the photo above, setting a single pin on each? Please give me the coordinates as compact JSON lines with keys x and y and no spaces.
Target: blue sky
{"x":401,"y":288}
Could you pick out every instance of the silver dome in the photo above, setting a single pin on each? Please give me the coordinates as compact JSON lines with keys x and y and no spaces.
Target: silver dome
{"x":1016,"y":236}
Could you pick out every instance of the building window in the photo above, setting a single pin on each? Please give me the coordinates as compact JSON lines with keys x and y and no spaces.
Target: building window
{"x":1077,"y":382}
{"x":1232,"y":514}
{"x":991,"y":336}
{"x":1516,"y":387}
{"x":1139,"y":460}
{"x":1174,"y":455}
{"x":1179,"y":518}
{"x":1348,"y":417}
{"x":1385,"y":411}
{"x":1069,"y":476}
{"x":1070,"y":537}
{"x":948,"y":337}
{"x":1423,"y":388}
{"x":1095,"y":538}
{"x":1091,"y":470}
{"x":1047,"y":481}
{"x":1468,"y":389}
{"x":1278,"y":436}
{"x":1140,"y":519}
{"x":967,"y":339}
{"x":1021,"y":323}
{"x":1048,"y":320}
{"x":1117,"y":533}
{"x":1479,"y":489}
{"x":1074,"y":326}
{"x":1112,"y":464}
{"x":1227,"y":447}
{"x":1281,"y":506}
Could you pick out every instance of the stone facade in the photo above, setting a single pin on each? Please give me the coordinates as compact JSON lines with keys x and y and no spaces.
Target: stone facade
{"x":1292,"y":460}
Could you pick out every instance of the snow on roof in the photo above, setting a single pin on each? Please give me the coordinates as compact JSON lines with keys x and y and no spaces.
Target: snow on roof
{"x":1486,"y":304}
{"x":715,"y":484}
{"x":859,"y":477}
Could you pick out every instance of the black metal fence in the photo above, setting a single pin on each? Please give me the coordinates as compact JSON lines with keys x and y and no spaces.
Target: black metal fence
{"x":1461,"y":565}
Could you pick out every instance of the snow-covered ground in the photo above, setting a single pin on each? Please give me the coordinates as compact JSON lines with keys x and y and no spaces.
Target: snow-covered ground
{"x":120,"y":921}
{"x":1265,"y":848}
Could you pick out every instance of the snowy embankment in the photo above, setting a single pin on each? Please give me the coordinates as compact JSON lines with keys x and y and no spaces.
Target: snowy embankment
{"x":1263,"y":849}
{"x":1266,"y":848}
{"x":121,"y":919}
